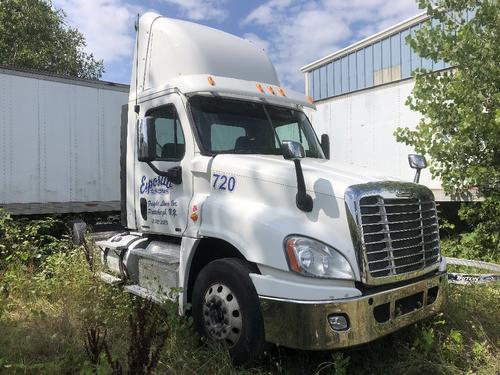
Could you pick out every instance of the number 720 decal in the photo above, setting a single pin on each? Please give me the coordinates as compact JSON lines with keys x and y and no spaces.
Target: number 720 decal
{"x":223,"y":182}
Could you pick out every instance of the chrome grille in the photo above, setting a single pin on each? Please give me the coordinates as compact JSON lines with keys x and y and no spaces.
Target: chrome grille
{"x":398,"y":235}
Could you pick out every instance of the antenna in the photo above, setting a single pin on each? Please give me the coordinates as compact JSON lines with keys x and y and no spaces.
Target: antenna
{"x":136,"y":107}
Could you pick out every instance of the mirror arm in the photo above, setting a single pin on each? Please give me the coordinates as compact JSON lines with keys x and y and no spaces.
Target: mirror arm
{"x":303,"y":200}
{"x":416,"y":179}
{"x":174,"y":174}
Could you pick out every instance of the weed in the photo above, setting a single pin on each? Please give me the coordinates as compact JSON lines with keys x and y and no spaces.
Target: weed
{"x":339,"y":365}
{"x":56,"y":316}
{"x":95,"y":344}
{"x":147,"y":337}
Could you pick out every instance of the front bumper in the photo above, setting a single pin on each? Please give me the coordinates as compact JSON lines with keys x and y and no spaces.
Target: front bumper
{"x":304,"y":324}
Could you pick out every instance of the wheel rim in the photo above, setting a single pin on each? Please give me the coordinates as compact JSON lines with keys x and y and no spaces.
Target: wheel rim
{"x":222,"y":314}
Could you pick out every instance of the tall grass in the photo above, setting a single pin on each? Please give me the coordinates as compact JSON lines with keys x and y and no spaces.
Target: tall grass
{"x":56,"y":317}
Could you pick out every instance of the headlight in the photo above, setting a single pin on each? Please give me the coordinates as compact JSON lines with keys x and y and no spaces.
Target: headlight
{"x":313,"y":258}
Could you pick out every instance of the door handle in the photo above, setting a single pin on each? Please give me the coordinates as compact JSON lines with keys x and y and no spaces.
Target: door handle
{"x":144,"y":208}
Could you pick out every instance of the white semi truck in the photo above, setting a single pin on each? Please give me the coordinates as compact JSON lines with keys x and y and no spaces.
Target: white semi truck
{"x":234,"y":210}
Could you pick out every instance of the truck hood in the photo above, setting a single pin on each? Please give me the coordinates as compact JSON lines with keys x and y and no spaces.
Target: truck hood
{"x":321,"y":176}
{"x":258,"y":212}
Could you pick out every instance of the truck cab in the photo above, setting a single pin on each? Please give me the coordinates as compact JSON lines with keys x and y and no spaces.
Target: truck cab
{"x":233,"y":208}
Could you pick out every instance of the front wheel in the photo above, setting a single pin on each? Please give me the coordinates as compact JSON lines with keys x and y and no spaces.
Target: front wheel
{"x":226,"y":308}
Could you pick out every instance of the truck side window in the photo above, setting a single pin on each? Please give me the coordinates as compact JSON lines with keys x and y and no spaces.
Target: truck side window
{"x":170,"y":144}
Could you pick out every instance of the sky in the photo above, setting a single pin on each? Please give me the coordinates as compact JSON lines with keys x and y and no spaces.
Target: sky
{"x":292,"y":32}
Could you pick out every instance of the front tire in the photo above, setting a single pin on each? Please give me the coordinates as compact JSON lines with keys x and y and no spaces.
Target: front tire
{"x":226,"y":308}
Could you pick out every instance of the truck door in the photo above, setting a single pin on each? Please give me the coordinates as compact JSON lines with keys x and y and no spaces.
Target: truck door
{"x":161,"y":206}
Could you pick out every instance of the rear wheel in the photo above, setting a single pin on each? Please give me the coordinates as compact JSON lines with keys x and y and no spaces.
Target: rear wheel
{"x":226,"y":308}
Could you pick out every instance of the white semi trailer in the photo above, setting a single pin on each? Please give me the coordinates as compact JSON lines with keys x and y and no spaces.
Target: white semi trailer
{"x":234,"y":210}
{"x":362,"y":126}
{"x":59,"y":143}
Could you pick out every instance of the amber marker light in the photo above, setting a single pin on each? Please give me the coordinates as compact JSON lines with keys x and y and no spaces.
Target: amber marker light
{"x":291,"y":256}
{"x":281,"y":91}
{"x":259,"y":87}
{"x":271,"y":91}
{"x":211,"y":81}
{"x":309,"y":99}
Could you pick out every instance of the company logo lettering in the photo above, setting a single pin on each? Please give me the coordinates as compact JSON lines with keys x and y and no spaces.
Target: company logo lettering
{"x":156,"y":185}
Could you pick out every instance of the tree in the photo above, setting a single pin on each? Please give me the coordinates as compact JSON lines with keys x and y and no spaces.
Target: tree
{"x":460,"y":125}
{"x":33,"y":35}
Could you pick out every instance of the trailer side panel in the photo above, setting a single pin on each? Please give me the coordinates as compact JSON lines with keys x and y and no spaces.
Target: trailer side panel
{"x":60,"y":144}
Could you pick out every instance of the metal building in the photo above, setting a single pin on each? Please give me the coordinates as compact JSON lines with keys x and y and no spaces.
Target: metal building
{"x":360,"y":93}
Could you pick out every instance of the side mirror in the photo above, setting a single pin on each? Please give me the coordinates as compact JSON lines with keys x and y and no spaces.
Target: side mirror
{"x":325,"y":145}
{"x":146,"y":139}
{"x":292,"y":150}
{"x":417,"y":162}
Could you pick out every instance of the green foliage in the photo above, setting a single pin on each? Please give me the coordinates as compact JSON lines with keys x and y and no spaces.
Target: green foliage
{"x":460,"y":128}
{"x":482,"y":242}
{"x":33,"y":35}
{"x":460,"y":125}
{"x":53,"y":314}
{"x":28,"y":241}
{"x":337,"y":366}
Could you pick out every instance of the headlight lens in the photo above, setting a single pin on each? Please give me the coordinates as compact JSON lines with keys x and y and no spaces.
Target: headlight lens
{"x":313,"y":258}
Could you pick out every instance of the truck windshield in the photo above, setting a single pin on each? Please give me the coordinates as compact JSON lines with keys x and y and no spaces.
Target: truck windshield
{"x":242,"y":127}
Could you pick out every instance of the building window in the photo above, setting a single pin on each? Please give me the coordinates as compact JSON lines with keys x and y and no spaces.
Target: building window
{"x":377,"y":63}
{"x":310,"y":84}
{"x":352,"y":72}
{"x":345,"y":75}
{"x":386,"y":60}
{"x":329,"y":77}
{"x":395,"y":57}
{"x":337,"y":77}
{"x":316,"y":84}
{"x":369,"y":66}
{"x":360,"y":61}
{"x":323,"y":82}
{"x":405,"y":55}
{"x":416,"y":60}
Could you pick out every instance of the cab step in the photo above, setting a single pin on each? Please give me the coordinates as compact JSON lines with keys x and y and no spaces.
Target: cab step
{"x":110,"y":279}
{"x":145,"y":293}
